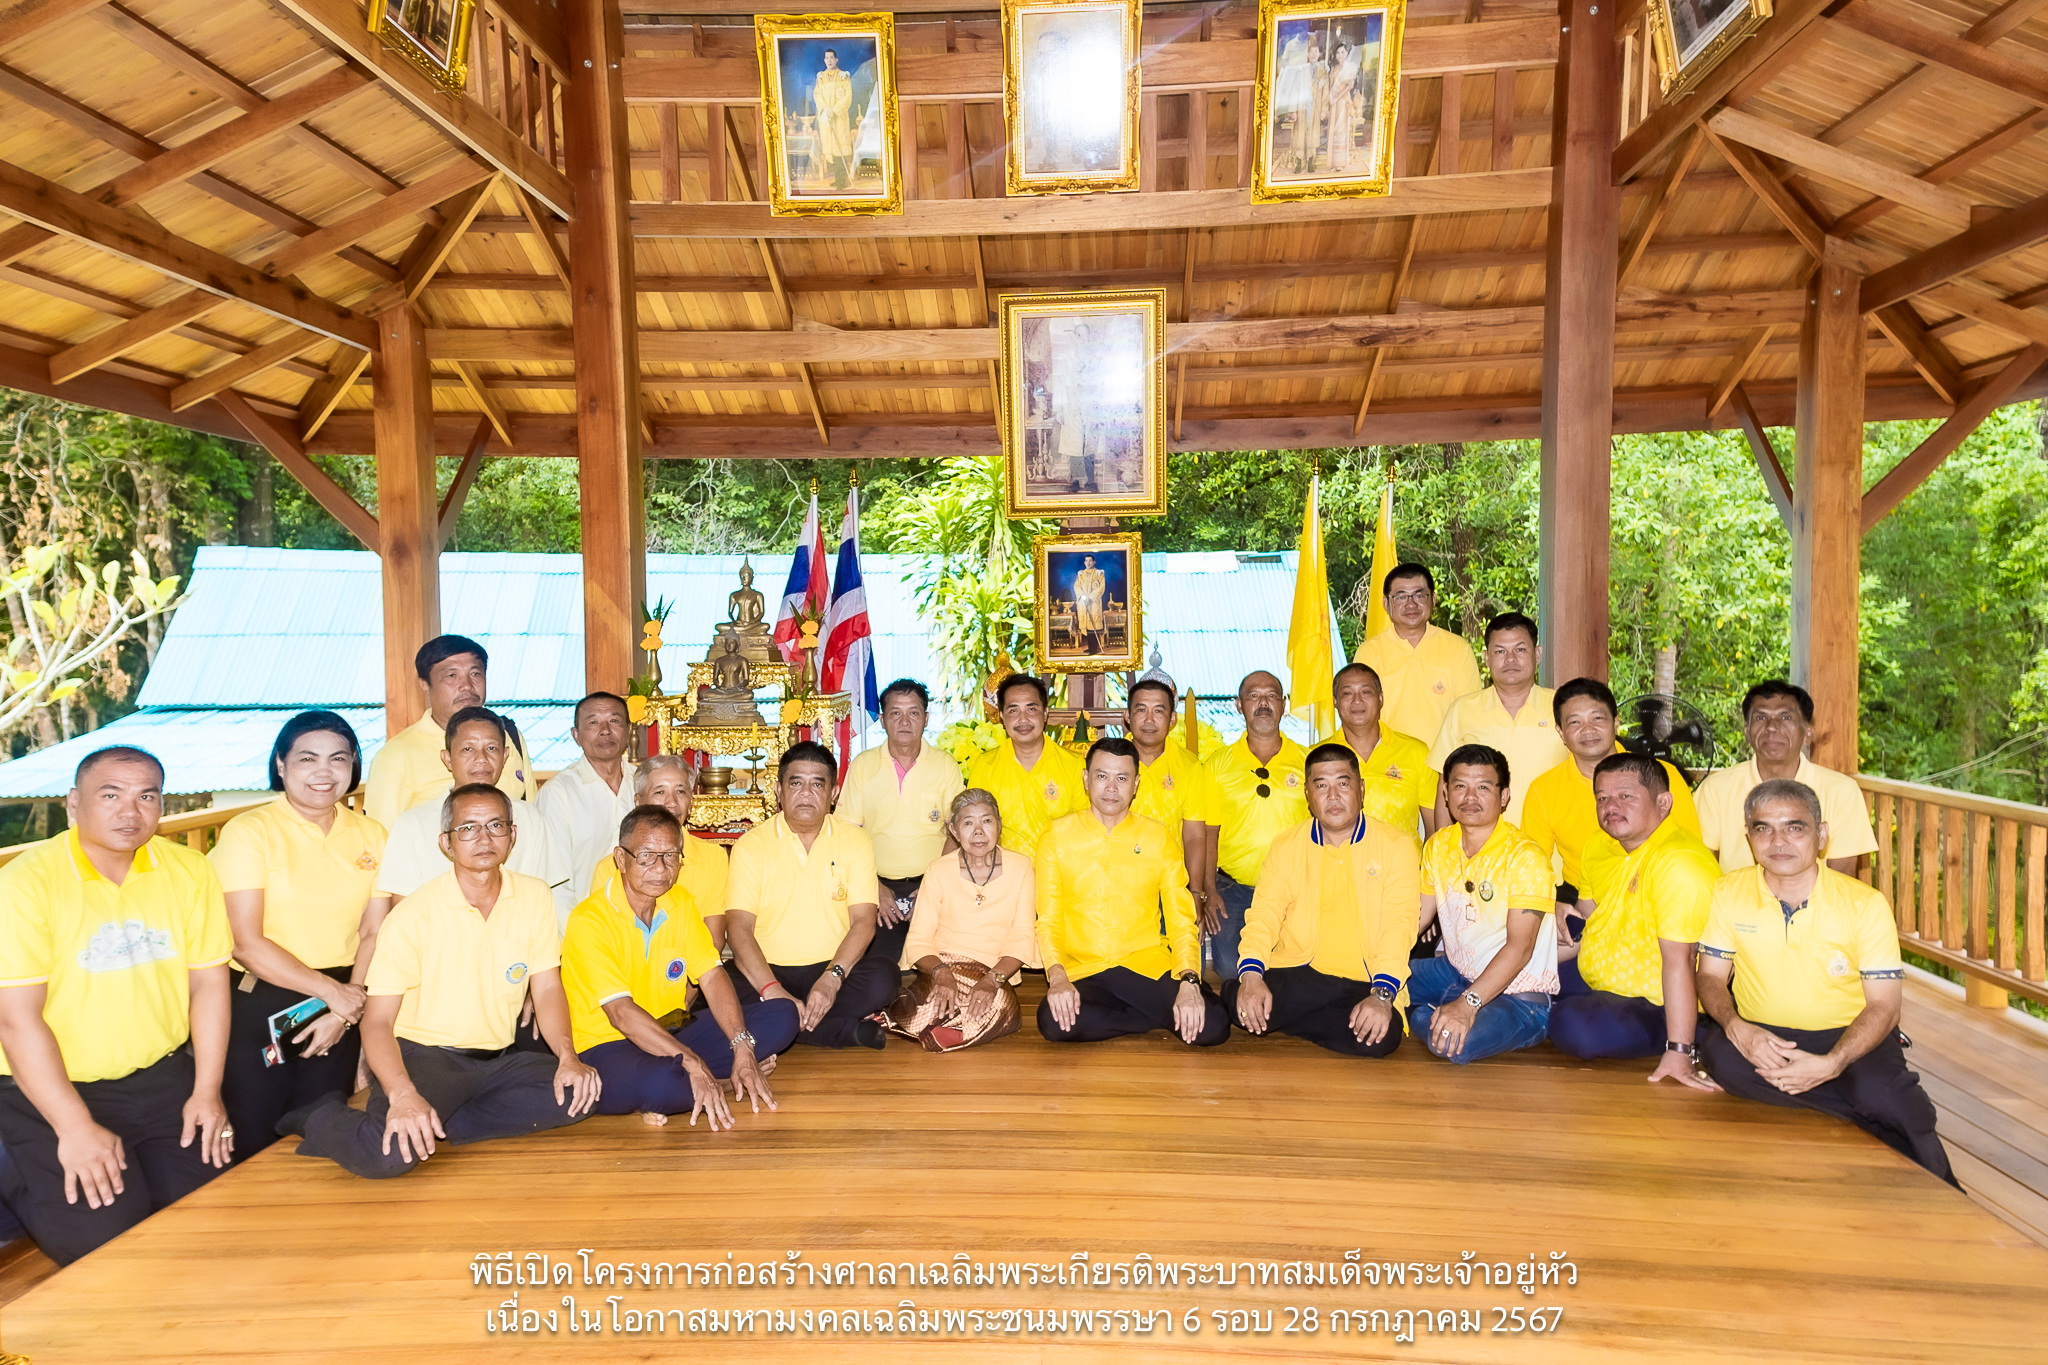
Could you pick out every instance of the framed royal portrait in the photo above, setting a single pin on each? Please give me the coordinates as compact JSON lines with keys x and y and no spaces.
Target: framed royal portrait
{"x":828,"y":103}
{"x":1086,"y":613}
{"x":431,"y":34}
{"x":1691,"y":37}
{"x":1329,"y":77}
{"x":1084,"y":403}
{"x":1070,"y":95}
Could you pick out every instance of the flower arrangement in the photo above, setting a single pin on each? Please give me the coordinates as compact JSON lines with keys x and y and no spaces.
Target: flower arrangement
{"x":644,"y":685}
{"x":967,"y":740}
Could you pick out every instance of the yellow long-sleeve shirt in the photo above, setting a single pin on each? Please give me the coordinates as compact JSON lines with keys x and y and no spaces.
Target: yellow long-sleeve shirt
{"x":1100,"y":894}
{"x":1348,"y":910}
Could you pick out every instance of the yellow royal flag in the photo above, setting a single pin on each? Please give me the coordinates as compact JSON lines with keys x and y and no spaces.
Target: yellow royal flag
{"x":1308,"y":629}
{"x":1384,"y":559}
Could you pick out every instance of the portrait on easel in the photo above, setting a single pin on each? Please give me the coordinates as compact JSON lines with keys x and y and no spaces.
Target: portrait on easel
{"x":1086,"y":614}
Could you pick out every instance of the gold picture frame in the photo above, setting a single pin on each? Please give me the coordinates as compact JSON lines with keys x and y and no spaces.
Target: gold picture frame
{"x":1334,"y":63}
{"x":1083,"y":403}
{"x":1071,"y":82}
{"x":1079,"y":626}
{"x":818,"y":159}
{"x":1690,"y":39}
{"x":431,"y":34}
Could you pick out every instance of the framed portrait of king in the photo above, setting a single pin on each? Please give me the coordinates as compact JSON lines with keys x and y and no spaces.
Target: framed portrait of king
{"x":1329,"y":77}
{"x":1692,"y":37}
{"x":1086,"y":616}
{"x":1083,"y":403}
{"x":1070,"y":95}
{"x":431,"y":34}
{"x":828,"y":105}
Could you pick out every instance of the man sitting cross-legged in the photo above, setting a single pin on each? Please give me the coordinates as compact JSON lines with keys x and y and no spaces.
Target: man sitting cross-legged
{"x":1113,"y":963}
{"x":800,"y":913}
{"x":629,"y":958}
{"x":452,"y":967}
{"x":1814,"y":959}
{"x":1325,"y":946}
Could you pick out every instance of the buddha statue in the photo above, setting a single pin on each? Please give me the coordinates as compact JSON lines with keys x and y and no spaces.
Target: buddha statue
{"x":745,"y":623}
{"x":728,"y":699}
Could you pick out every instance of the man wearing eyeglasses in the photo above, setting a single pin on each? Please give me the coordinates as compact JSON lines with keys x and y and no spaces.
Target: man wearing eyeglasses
{"x":630,"y":956}
{"x":1263,"y":792}
{"x":1777,"y":719}
{"x":452,"y":969}
{"x":1422,"y":668}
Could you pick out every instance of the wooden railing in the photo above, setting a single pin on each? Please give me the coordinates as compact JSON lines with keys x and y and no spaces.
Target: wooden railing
{"x":515,"y":80}
{"x":1965,"y":876}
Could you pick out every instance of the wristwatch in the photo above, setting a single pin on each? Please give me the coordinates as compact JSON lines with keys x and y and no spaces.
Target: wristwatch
{"x":1472,"y":998}
{"x":743,"y":1036}
{"x":1690,"y":1050}
{"x":1190,"y":978}
{"x":837,"y":971}
{"x":1382,"y":993}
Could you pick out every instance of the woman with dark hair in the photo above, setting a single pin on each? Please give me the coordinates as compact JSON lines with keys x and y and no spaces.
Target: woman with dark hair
{"x":298,"y":873}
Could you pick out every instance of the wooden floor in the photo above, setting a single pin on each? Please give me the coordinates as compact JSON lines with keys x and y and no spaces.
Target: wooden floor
{"x":1702,"y":1228}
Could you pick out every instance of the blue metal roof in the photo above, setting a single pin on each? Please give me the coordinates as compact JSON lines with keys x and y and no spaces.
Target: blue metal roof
{"x":269,"y":632}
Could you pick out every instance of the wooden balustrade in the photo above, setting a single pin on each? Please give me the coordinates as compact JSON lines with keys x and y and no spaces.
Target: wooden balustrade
{"x":1965,"y":876}
{"x":516,"y":81}
{"x":1641,"y":94}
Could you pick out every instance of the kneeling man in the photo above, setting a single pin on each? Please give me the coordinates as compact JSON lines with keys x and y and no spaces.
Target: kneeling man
{"x":1325,"y":946}
{"x":629,"y":959}
{"x":1630,"y":991}
{"x":1814,"y":957}
{"x":453,"y":964}
{"x":1114,"y":964}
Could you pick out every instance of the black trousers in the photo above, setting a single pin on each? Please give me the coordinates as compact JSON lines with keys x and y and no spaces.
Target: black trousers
{"x":478,"y":1098}
{"x":1310,"y":1005}
{"x":873,"y":984}
{"x":1876,"y":1092}
{"x":889,"y":942}
{"x":258,"y":1096}
{"x":1119,"y":1001}
{"x":146,"y":1110}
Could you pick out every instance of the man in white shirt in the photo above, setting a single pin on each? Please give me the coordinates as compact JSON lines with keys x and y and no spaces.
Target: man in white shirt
{"x":584,"y":803}
{"x":1777,"y":719}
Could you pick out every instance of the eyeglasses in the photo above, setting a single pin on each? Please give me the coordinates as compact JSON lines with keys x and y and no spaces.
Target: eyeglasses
{"x":1262,"y":789}
{"x":650,"y":861}
{"x":1406,"y":597}
{"x":471,"y":832}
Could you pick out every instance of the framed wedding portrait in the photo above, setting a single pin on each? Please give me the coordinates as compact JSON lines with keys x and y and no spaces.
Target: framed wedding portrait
{"x":1329,"y":78}
{"x":828,"y":103}
{"x":1083,"y":401}
{"x":1692,"y":37}
{"x":431,"y":34}
{"x":1086,"y":616}
{"x":1070,"y":95}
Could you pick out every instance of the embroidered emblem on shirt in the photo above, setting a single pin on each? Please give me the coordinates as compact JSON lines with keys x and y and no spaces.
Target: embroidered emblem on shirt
{"x":932,"y":816}
{"x":1294,"y":779}
{"x":1438,"y":687}
{"x":1486,"y":891}
{"x":1394,"y":772}
{"x":1052,"y":791}
{"x":839,"y":891}
{"x":516,"y":973}
{"x":1633,"y":883}
{"x":1838,"y":965}
{"x":1166,"y":783}
{"x":114,"y":947}
{"x":367,"y":862}
{"x":1372,"y":869}
{"x":675,"y":969}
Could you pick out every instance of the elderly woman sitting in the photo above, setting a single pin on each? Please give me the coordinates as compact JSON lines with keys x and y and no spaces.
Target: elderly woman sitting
{"x":976,"y":907}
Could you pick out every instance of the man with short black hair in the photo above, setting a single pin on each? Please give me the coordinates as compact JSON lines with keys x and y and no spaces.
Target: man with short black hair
{"x":1512,"y":715}
{"x":1422,"y":668}
{"x":900,"y":793}
{"x":1034,"y":782}
{"x":408,"y":770}
{"x":1173,"y":786}
{"x":1777,"y":719}
{"x":1116,"y":926}
{"x":1813,"y":958}
{"x":1260,"y":792}
{"x":583,"y":803}
{"x":801,"y":894}
{"x":114,"y":946}
{"x":1397,"y":785}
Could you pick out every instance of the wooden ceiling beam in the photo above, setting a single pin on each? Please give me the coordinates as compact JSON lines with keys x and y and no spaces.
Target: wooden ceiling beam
{"x":2001,"y":235}
{"x":1652,"y":216}
{"x":29,"y":17}
{"x":430,"y":251}
{"x":113,"y":305}
{"x":25,"y":365}
{"x":465,"y":478}
{"x":2007,"y":75}
{"x":1911,"y":472}
{"x":326,"y":394}
{"x":1983,"y":149}
{"x":1846,"y":168}
{"x":494,"y":411}
{"x":1984,"y":32}
{"x":287,"y":451}
{"x":1932,"y":359}
{"x":1767,"y":187}
{"x":223,"y":377}
{"x":1768,"y":466}
{"x":1995,"y":313}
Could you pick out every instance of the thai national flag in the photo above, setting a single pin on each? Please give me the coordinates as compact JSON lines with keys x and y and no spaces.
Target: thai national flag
{"x":849,"y":661}
{"x":807,"y":590}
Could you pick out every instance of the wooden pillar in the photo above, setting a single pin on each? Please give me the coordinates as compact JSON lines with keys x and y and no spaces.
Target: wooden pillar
{"x":1827,"y":508}
{"x":1578,"y":348}
{"x":606,"y":328}
{"x":408,"y":514}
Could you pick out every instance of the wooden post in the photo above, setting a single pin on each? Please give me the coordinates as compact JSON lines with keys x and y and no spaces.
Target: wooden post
{"x":1827,"y":497}
{"x":408,"y":514}
{"x":606,"y":330}
{"x":1578,"y":349}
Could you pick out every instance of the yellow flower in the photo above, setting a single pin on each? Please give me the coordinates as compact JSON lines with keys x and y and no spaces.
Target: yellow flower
{"x":792,"y":711}
{"x":808,"y":637}
{"x":651,"y":641}
{"x":636,"y":709}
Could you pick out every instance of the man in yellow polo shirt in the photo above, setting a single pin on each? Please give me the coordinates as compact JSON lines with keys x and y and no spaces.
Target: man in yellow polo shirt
{"x":665,"y":780}
{"x":900,"y":794}
{"x":1777,"y":719}
{"x":113,"y":952}
{"x":453,"y":965}
{"x":1629,"y":993}
{"x":408,"y":769}
{"x":1512,"y":716}
{"x":1034,"y":782}
{"x":1398,"y":787}
{"x":629,"y":959}
{"x":1326,"y":943}
{"x":1814,"y":959}
{"x":1173,"y":786}
{"x":1422,"y":668}
{"x":1116,"y":926}
{"x":1489,"y":992}
{"x":800,"y":910}
{"x":1260,"y":792}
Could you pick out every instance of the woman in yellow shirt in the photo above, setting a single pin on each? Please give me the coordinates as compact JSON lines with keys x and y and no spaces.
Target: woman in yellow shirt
{"x":298,"y":874}
{"x":975,"y":907}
